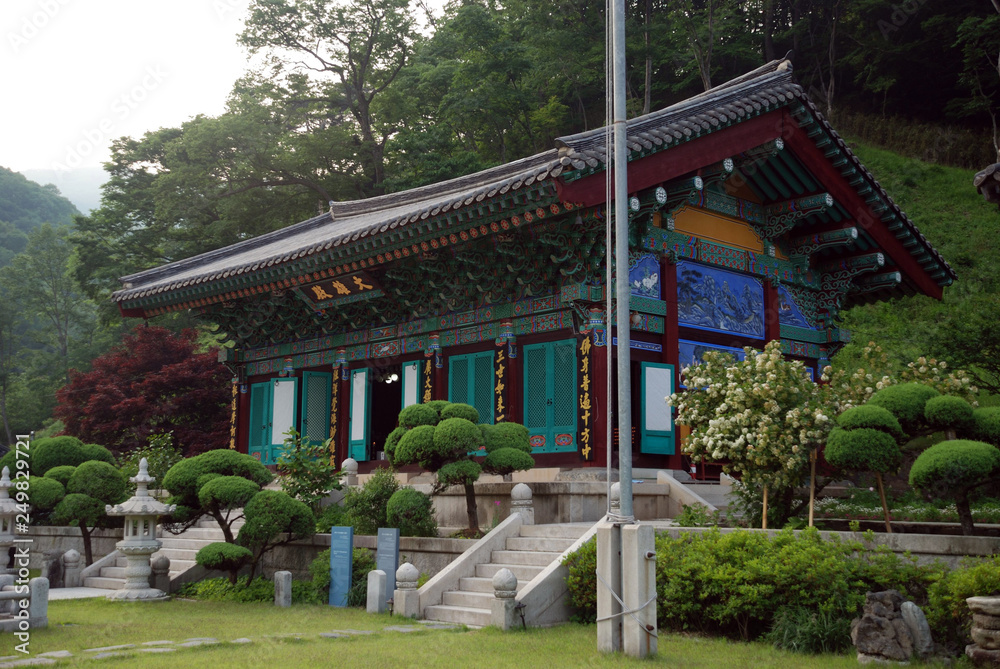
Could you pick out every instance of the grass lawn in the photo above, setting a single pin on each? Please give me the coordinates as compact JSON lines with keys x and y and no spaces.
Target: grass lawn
{"x":290,"y":638}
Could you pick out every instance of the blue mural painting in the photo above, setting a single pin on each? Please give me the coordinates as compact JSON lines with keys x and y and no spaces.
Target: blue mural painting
{"x":715,"y":299}
{"x":691,"y":353}
{"x":644,"y":277}
{"x":789,"y":313}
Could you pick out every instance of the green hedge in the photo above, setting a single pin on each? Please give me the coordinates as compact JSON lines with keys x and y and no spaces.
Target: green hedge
{"x":412,"y":512}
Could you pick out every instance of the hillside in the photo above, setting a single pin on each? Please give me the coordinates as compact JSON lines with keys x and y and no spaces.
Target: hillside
{"x":25,"y":205}
{"x":958,"y":222}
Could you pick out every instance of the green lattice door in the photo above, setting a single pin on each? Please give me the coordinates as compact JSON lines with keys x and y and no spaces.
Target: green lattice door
{"x":284,"y":396}
{"x":470,"y":381}
{"x":656,"y":430}
{"x":259,"y":441}
{"x":361,"y":394}
{"x":550,"y":396}
{"x":315,"y":419}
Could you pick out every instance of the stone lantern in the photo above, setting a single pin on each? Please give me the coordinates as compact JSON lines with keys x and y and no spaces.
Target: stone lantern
{"x":139,"y":541}
{"x":8,"y":509}
{"x":987,"y":183}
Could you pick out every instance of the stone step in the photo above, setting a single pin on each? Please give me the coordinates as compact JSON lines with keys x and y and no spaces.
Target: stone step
{"x":564,"y":530}
{"x":190,"y":544}
{"x":475,"y":584}
{"x":522,"y":572}
{"x":102,"y":582}
{"x":547,"y":544}
{"x":214,"y":533}
{"x":536,"y":558}
{"x":472,"y":600}
{"x":458,"y":614}
{"x":176,"y":553}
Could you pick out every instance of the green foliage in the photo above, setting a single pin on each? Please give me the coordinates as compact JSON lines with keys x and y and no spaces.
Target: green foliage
{"x":735,"y":583}
{"x":365,"y":507}
{"x":460,"y":472}
{"x":437,"y":405}
{"x":50,"y":452}
{"x":947,"y":412}
{"x":391,"y":441}
{"x":459,"y":410}
{"x":332,"y":515}
{"x":61,"y":474}
{"x":99,"y":480}
{"x":412,"y":512}
{"x":863,"y":449}
{"x":906,"y":402}
{"x":453,"y":438}
{"x":307,"y":469}
{"x":227,"y":492}
{"x":803,"y":630}
{"x":161,"y":454}
{"x":224,"y":556}
{"x":184,"y":479}
{"x":270,"y":514}
{"x":363,"y":561}
{"x":955,"y":465}
{"x":986,"y":425}
{"x":947,"y":613}
{"x":418,"y":414}
{"x":507,"y":435}
{"x":581,"y":581}
{"x":504,"y":461}
{"x":44,"y":492}
{"x":415,"y":446}
{"x":79,"y":510}
{"x":697,"y":515}
{"x":873,"y":416}
{"x":243,"y":591}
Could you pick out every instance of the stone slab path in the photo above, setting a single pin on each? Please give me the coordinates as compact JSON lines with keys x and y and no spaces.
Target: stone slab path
{"x":166,"y":646}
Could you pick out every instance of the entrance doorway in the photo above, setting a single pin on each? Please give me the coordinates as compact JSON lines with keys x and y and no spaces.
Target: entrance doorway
{"x":387,"y":399}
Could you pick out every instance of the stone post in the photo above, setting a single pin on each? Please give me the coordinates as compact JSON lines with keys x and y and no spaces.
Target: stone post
{"x":639,"y":588}
{"x":38,"y":608}
{"x":349,"y":468}
{"x":283,"y":588}
{"x":405,"y":598}
{"x":160,"y":577}
{"x":521,"y":502}
{"x":985,"y":632}
{"x":376,"y":591}
{"x":72,"y":568}
{"x":7,"y":605}
{"x":503,"y":611}
{"x":8,"y":510}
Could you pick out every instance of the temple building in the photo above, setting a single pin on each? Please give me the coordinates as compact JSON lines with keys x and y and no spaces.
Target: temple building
{"x":750,"y":220}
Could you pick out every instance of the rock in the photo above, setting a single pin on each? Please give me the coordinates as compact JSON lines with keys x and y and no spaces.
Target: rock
{"x":985,"y":622}
{"x":920,"y":631}
{"x":989,"y":606}
{"x":982,"y":657}
{"x":986,"y":639}
{"x":903,"y":636}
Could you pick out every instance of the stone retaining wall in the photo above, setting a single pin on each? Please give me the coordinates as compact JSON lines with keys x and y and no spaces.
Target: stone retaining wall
{"x":47,"y":538}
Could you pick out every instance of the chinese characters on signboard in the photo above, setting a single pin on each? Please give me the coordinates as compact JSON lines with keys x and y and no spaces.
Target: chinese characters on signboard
{"x":585,"y":415}
{"x":342,"y":286}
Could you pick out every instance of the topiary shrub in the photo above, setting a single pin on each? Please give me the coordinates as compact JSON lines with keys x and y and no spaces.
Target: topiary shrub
{"x":391,"y":441}
{"x":186,"y":478}
{"x":50,"y":452}
{"x":83,"y":511}
{"x":873,"y":416}
{"x":986,"y":425}
{"x":948,"y":413}
{"x":953,"y":469}
{"x":462,"y":472}
{"x":61,"y":473}
{"x":100,"y":480}
{"x":437,"y":405}
{"x":44,"y":492}
{"x":460,"y":410}
{"x":365,"y":507}
{"x":453,"y":438}
{"x":507,"y":435}
{"x":272,"y":519}
{"x":906,"y":402}
{"x":504,"y":461}
{"x":412,"y":512}
{"x":415,"y":446}
{"x":221,"y":495}
{"x":224,"y":556}
{"x":418,"y":414}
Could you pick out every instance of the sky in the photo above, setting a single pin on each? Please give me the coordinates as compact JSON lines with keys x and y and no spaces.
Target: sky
{"x":75,"y":74}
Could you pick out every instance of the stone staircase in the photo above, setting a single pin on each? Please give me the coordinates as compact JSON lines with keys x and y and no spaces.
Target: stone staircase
{"x":526,"y":555}
{"x":179,"y":548}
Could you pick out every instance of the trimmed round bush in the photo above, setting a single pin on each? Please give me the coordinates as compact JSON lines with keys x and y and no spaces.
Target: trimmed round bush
{"x":61,"y":473}
{"x":873,"y":416}
{"x":986,"y":425}
{"x":391,"y":441}
{"x":227,"y":492}
{"x":437,"y":405}
{"x":503,"y":461}
{"x":463,"y":472}
{"x":50,"y":452}
{"x":271,"y":513}
{"x":863,"y":449}
{"x":364,"y":507}
{"x":906,"y":402}
{"x":44,"y":492}
{"x":508,"y":435}
{"x":947,"y":412}
{"x":955,"y":465}
{"x":183,"y":478}
{"x":459,"y":410}
{"x":412,"y":512}
{"x":418,"y":414}
{"x":224,"y":557}
{"x":415,"y":446}
{"x":454,"y":437}
{"x":99,"y":480}
{"x":77,"y":509}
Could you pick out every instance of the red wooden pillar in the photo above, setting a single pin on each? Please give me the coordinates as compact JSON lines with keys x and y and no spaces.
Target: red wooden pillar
{"x":243,"y":418}
{"x":514,"y":400}
{"x":671,"y":336}
{"x":599,"y":397}
{"x":440,"y":377}
{"x":772,"y":312}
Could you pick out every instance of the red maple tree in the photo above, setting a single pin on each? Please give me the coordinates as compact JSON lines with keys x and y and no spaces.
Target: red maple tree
{"x":154,"y":381}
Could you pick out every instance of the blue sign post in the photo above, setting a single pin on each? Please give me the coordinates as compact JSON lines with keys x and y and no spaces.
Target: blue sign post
{"x":341,"y":564}
{"x":387,"y":557}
